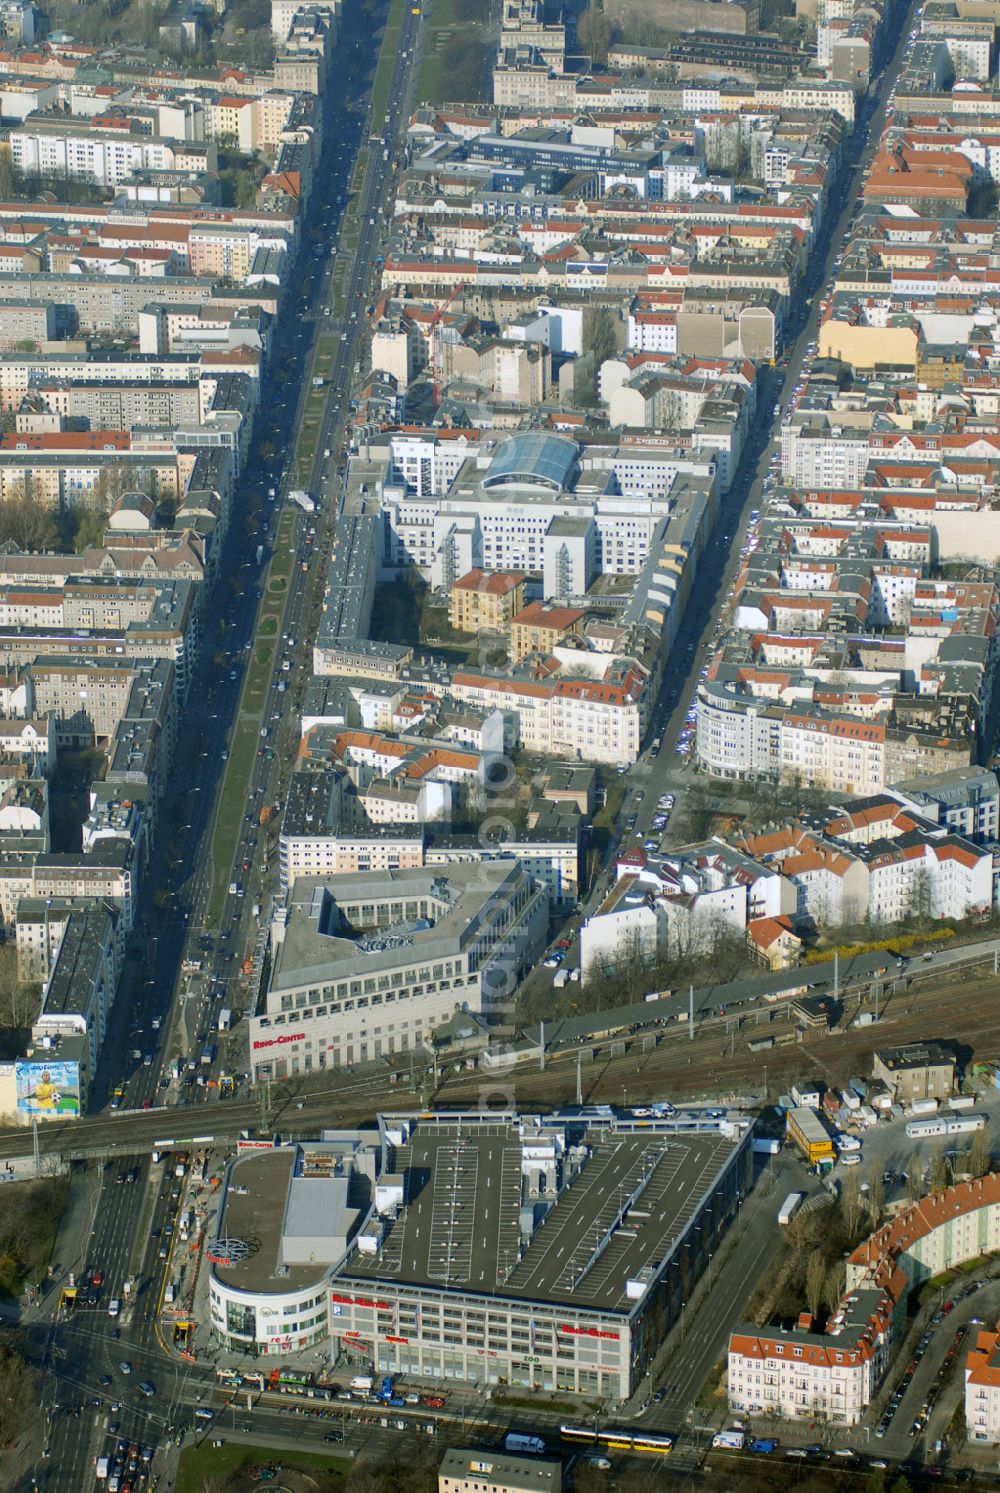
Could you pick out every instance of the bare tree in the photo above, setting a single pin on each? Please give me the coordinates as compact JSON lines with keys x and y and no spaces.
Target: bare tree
{"x":852,"y":1202}
{"x":115,"y":479}
{"x":938,"y":1172}
{"x":18,"y":1395}
{"x":599,"y":334}
{"x":875,"y":1197}
{"x":815,"y":1280}
{"x":633,"y":954}
{"x":593,"y":33}
{"x":26,"y":521}
{"x":919,"y":905}
{"x":980,"y":1159}
{"x":915,"y":1177}
{"x":588,"y":1479}
{"x":696,"y":811}
{"x":364,"y":1477}
{"x":18,"y":998}
{"x":726,"y":148}
{"x":833,"y":1285}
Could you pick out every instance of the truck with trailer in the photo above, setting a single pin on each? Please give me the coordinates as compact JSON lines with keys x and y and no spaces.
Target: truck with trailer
{"x":807,"y":1131}
{"x":793,"y":1202}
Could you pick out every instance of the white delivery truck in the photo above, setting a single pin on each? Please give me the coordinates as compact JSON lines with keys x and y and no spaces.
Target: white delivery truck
{"x":766,"y":1145}
{"x":514,"y":1441}
{"x":560,"y":978}
{"x":789,"y":1208}
{"x":225,"y":1019}
{"x":733,"y":1441}
{"x":363,"y":1383}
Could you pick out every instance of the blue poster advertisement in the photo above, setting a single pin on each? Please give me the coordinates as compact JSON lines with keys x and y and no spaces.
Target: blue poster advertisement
{"x":47,"y":1089}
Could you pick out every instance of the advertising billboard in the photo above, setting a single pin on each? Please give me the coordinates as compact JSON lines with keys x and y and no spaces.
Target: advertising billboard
{"x":47,"y":1090}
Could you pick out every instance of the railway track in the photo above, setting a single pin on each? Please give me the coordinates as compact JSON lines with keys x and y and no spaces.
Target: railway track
{"x":718,"y":1063}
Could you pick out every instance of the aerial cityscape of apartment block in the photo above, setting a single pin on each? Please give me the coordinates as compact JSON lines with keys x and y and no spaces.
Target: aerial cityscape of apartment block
{"x":499,"y":771}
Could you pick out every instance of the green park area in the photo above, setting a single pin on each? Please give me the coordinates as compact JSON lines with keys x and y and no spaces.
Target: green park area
{"x":31,"y":1216}
{"x":236,"y":1466}
{"x":456,"y":55}
{"x":313,"y":415}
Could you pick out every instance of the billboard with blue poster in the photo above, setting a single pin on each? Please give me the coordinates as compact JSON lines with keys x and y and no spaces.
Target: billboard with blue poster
{"x":47,"y":1090}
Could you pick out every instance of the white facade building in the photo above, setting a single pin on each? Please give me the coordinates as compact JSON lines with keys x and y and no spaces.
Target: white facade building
{"x":803,"y":1374}
{"x":105,"y":156}
{"x":367,"y":966}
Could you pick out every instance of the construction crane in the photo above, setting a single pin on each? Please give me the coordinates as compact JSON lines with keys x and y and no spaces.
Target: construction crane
{"x":433,"y":361}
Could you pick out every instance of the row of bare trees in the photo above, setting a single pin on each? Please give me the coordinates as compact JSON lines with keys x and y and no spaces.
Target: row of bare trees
{"x":818,"y":1239}
{"x":18,"y":998}
{"x":18,"y":1391}
{"x":37,"y":529}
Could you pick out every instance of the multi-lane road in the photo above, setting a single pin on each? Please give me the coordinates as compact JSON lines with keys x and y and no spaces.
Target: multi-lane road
{"x":720,"y":565}
{"x":666,"y":771}
{"x":160,"y":1013}
{"x":129,"y":1221}
{"x":130,"y":1226}
{"x":238,"y":926}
